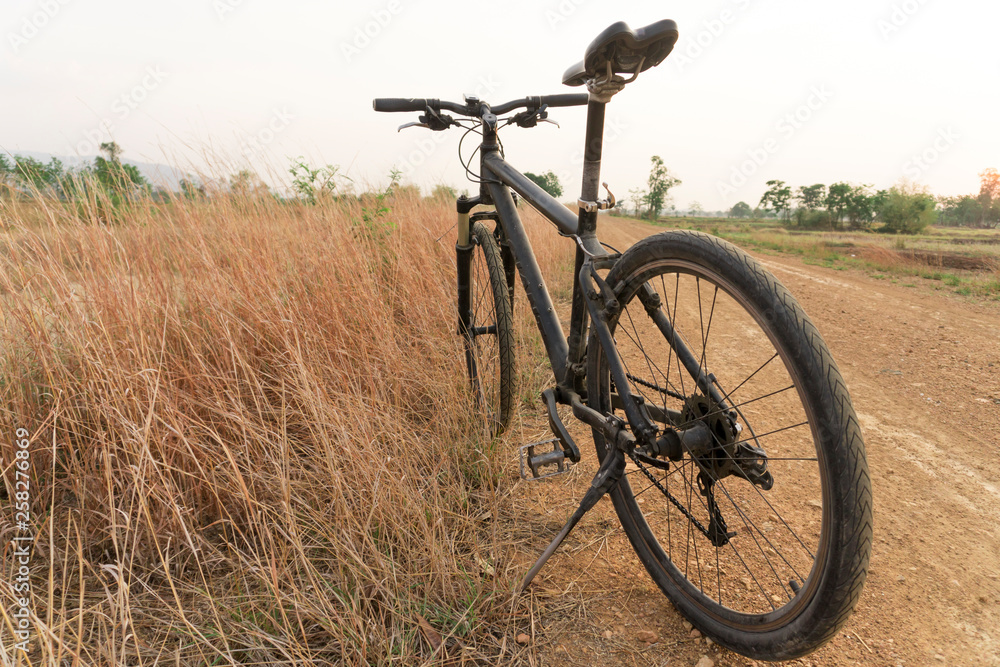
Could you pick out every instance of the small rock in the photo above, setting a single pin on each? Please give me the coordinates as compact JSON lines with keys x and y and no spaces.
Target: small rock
{"x":608,"y":634}
{"x":523,"y":639}
{"x":708,"y":640}
{"x":687,"y":625}
{"x":646,"y":636}
{"x":705,"y":662}
{"x":900,"y":578}
{"x":695,"y":633}
{"x":938,"y":656}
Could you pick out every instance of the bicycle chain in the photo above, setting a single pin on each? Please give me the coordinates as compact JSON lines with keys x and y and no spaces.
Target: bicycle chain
{"x":683,"y":510}
{"x":713,"y":508}
{"x":656,"y":387}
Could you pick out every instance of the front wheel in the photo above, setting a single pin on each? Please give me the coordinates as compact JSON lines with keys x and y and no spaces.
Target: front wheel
{"x":761,"y":535}
{"x":487,"y":330}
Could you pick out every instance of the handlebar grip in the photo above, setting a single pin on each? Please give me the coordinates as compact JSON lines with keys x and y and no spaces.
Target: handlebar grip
{"x":402,"y":104}
{"x":566,"y":99}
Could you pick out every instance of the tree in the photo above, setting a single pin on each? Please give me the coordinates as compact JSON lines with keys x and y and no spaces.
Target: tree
{"x":907,"y":209}
{"x":246,"y":183}
{"x":547,"y":181}
{"x":36,"y":176}
{"x":741,"y":210}
{"x":112,"y":174}
{"x":695,"y":209}
{"x":812,"y":197}
{"x":6,"y":175}
{"x":190,"y":189}
{"x":838,"y":200}
{"x":636,"y":196}
{"x":778,"y":196}
{"x":963,"y":211}
{"x":658,"y":184}
{"x":863,"y":206}
{"x":989,"y":195}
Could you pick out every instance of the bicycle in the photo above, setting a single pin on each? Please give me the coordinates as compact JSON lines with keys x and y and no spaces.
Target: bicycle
{"x":750,"y":510}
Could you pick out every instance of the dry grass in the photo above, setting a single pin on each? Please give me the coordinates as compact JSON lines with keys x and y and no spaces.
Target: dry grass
{"x":250,"y":438}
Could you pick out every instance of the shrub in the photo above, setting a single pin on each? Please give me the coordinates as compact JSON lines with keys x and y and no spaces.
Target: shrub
{"x":907,"y":209}
{"x":809,"y":219}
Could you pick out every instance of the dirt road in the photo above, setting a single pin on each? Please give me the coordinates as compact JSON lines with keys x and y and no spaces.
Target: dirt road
{"x":923,"y":368}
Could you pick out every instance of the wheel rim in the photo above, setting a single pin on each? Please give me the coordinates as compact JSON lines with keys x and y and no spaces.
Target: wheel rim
{"x":782,"y":533}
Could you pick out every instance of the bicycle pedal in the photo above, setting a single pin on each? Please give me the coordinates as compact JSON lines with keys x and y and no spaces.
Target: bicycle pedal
{"x":539,"y":462}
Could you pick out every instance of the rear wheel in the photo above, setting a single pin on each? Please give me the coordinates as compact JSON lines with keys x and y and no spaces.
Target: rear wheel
{"x":489,"y":338}
{"x":761,"y":537}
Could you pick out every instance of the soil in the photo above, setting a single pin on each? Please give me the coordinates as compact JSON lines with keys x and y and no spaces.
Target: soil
{"x":923,"y":369}
{"x":943,"y":260}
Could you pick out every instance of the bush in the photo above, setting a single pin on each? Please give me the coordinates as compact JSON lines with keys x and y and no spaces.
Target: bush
{"x":908,"y":209}
{"x":808,"y":219}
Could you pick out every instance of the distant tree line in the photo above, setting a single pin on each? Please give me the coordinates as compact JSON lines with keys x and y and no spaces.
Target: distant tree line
{"x":905,"y":208}
{"x":22,"y":176}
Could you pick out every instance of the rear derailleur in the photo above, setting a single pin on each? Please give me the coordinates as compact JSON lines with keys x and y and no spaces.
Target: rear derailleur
{"x":711,"y":436}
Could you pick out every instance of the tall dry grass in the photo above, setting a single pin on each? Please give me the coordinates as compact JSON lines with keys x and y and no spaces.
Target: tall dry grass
{"x":250,"y":435}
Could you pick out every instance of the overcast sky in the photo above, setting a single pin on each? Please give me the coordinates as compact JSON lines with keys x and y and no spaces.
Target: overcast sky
{"x":867,"y":91}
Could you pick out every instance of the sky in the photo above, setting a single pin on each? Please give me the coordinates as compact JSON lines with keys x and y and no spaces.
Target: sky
{"x":864,"y":91}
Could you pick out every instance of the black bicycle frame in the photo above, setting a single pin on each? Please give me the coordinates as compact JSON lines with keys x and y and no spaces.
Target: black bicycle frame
{"x":499,"y":178}
{"x":566,"y":353}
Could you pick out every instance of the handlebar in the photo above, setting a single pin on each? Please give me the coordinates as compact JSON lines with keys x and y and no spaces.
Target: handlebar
{"x":474,"y":107}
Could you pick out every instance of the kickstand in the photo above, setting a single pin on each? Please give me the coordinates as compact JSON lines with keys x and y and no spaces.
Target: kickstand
{"x":607,"y":476}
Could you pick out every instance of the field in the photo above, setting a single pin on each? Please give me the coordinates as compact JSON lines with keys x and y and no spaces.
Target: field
{"x":963,"y":260}
{"x":251,"y":444}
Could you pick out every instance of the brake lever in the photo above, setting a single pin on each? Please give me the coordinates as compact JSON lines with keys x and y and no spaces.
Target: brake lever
{"x":532,"y":117}
{"x":413,"y":124}
{"x":437,"y":121}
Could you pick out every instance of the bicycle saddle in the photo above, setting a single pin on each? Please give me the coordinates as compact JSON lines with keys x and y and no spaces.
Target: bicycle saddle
{"x":624,"y":48}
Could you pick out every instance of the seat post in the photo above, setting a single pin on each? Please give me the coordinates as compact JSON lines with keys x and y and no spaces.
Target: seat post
{"x":593,"y":147}
{"x":586,"y":227}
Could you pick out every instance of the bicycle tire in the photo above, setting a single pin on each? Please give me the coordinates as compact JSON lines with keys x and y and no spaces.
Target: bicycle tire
{"x":821,"y":602}
{"x":489,"y":341}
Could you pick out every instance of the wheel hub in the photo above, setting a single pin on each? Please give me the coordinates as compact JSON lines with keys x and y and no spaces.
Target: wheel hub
{"x":725,"y":431}
{"x":726,"y":454}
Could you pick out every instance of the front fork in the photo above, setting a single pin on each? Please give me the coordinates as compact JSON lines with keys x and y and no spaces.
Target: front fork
{"x":463,"y":257}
